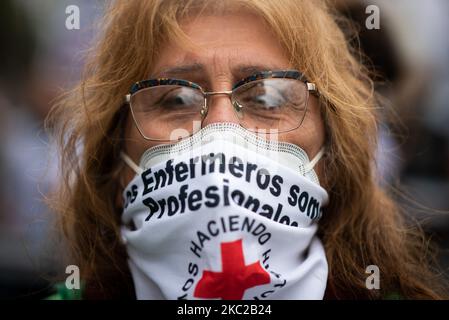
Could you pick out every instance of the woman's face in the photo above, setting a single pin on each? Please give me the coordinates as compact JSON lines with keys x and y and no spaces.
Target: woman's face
{"x":227,"y":49}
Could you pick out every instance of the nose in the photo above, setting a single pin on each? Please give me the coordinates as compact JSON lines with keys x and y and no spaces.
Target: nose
{"x":219,"y":109}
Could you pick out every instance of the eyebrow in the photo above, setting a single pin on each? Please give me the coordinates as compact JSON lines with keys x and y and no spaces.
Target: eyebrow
{"x":182,"y":69}
{"x":247,"y":70}
{"x":239,"y":71}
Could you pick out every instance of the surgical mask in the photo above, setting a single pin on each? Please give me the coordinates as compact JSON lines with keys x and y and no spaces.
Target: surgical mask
{"x":225,"y":214}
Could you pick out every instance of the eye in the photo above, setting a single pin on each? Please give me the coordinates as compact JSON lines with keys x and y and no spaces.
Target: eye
{"x":174,"y":101}
{"x":180,"y":98}
{"x":174,"y":98}
{"x":262,"y":96}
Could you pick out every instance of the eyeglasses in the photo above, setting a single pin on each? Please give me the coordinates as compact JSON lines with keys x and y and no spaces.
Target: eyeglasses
{"x":270,"y":101}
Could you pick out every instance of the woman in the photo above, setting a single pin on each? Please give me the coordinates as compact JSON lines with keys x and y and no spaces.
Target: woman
{"x":213,"y":45}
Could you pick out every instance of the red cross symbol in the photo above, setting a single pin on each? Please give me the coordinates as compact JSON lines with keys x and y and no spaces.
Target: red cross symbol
{"x":236,"y":277}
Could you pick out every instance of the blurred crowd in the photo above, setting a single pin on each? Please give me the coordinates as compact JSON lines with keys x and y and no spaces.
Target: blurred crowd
{"x":40,"y":56}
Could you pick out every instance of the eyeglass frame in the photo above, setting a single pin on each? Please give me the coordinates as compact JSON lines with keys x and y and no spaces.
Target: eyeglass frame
{"x":276,"y":74}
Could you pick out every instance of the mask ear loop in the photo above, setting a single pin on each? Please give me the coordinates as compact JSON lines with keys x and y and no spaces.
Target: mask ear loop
{"x":308,"y":167}
{"x":138,"y":170}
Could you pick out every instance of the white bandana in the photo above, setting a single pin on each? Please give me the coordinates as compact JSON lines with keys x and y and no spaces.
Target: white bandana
{"x":225,"y":214}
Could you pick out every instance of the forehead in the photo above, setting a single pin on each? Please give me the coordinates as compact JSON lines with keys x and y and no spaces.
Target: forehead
{"x":237,"y":42}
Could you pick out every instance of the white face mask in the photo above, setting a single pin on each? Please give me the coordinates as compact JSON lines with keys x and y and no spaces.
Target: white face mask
{"x":225,"y":214}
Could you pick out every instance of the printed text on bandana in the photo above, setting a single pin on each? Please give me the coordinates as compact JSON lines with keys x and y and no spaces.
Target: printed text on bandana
{"x":262,"y":188}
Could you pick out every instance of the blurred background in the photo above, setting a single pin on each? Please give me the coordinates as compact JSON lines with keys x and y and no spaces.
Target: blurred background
{"x":40,"y":57}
